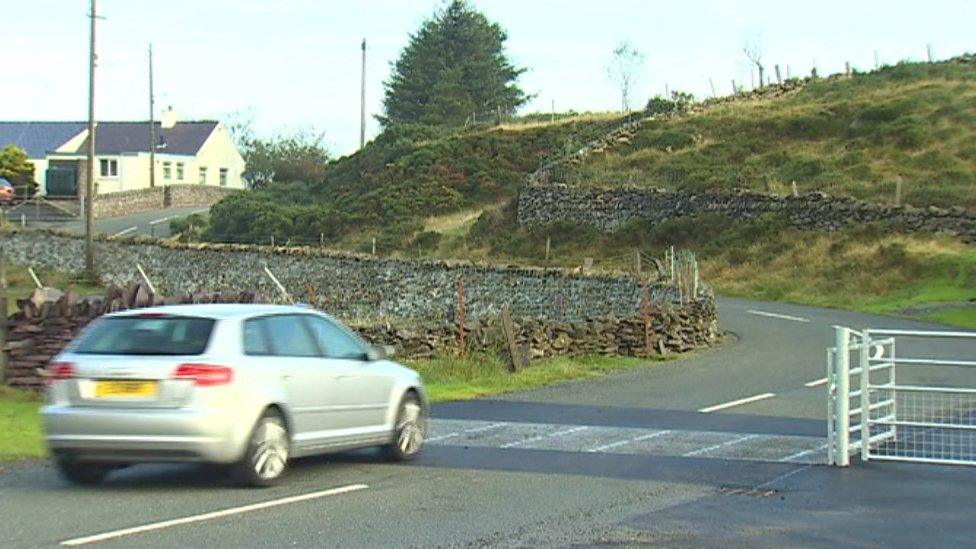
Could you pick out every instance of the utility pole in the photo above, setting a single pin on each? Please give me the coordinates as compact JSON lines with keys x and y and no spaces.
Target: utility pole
{"x":90,"y":180}
{"x":362,"y":101}
{"x":152,"y":124}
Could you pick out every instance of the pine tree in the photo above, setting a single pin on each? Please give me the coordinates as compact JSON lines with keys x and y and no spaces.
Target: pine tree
{"x":454,"y":67}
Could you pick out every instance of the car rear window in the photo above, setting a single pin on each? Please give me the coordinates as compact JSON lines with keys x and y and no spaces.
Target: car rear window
{"x":138,"y":335}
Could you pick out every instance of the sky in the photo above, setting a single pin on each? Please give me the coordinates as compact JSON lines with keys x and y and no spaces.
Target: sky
{"x":293,"y":65}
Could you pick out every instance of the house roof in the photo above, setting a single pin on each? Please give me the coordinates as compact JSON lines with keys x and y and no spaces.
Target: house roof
{"x":128,"y":137}
{"x":38,"y":138}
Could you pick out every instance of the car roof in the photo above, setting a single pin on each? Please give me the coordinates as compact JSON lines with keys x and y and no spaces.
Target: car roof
{"x":216,"y":310}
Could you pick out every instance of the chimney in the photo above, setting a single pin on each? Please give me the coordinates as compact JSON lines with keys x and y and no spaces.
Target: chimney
{"x":170,"y":118}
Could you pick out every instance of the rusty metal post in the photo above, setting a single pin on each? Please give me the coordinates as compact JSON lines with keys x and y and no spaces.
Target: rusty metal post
{"x":311,"y":294}
{"x":461,"y":315}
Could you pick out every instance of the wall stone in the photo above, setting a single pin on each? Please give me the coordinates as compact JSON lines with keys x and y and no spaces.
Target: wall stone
{"x":352,"y":287}
{"x":609,"y":209}
{"x":142,"y":200}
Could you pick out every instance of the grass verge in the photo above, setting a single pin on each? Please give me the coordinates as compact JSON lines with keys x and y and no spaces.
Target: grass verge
{"x":20,"y":435}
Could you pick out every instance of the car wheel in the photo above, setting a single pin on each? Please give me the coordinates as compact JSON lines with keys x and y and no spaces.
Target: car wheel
{"x":80,"y":472}
{"x":266,"y":457}
{"x":410,"y":430}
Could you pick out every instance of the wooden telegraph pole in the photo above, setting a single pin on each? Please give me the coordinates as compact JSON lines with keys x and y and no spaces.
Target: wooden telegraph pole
{"x":152,"y":125}
{"x":90,"y":180}
{"x":362,"y":100}
{"x":3,"y":319}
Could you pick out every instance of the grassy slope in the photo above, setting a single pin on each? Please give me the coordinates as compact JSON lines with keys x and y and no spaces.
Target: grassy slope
{"x":843,"y":136}
{"x":20,"y":436}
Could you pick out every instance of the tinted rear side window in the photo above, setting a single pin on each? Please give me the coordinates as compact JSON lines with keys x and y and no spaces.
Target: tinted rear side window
{"x":286,"y":335}
{"x":135,"y":335}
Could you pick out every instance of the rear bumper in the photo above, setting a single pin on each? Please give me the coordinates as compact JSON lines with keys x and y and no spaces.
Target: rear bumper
{"x":141,"y":435}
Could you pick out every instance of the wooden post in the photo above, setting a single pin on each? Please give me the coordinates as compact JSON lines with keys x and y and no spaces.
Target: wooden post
{"x":321,"y":240}
{"x":508,"y":329}
{"x":928,"y":51}
{"x":898,"y":183}
{"x":734,"y":88}
{"x":796,"y":192}
{"x":637,"y":261}
{"x":779,"y":78}
{"x":272,"y":241}
{"x":461,"y":317}
{"x":646,"y":314}
{"x":374,"y":246}
{"x":877,"y":65}
{"x":311,"y":294}
{"x":3,"y":319}
{"x":548,"y":245}
{"x":847,"y":68}
{"x":712,"y":84}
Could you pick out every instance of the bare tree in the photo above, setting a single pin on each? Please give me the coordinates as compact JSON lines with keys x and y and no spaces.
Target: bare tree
{"x":753,"y":51}
{"x":624,"y":70}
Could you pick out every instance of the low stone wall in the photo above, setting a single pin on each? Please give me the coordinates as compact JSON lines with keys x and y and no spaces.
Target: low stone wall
{"x":609,"y":209}
{"x":352,"y":287}
{"x":141,"y":200}
{"x":672,"y":329}
{"x":49,"y":319}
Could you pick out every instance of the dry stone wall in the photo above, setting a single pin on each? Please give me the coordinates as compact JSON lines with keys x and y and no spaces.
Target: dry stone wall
{"x":349,"y":286}
{"x":142,"y":200}
{"x":609,"y":209}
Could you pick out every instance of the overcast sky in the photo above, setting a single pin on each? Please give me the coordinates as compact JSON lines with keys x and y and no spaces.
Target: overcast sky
{"x":295,"y":63}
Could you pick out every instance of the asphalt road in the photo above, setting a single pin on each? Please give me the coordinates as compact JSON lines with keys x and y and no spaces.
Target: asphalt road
{"x":624,"y":460}
{"x":155,"y":222}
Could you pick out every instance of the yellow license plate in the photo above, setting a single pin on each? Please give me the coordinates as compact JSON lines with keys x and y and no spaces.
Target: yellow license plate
{"x":125,"y":389}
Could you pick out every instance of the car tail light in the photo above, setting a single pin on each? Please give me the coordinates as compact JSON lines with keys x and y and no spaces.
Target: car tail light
{"x":204,"y":375}
{"x":57,"y":371}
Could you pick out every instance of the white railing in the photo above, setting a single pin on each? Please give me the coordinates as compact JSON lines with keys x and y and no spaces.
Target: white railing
{"x":871,"y":414}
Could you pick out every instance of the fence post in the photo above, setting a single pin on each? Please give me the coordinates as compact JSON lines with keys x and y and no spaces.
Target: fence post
{"x":548,"y":245}
{"x":462,"y":317}
{"x":637,"y":261}
{"x":374,"y":247}
{"x":865,"y":379}
{"x":3,"y":319}
{"x":842,"y":417}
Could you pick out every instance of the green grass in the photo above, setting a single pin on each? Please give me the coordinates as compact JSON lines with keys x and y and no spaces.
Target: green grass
{"x":851,"y":137}
{"x":963,"y":316}
{"x":483,"y":375}
{"x":20,"y":436}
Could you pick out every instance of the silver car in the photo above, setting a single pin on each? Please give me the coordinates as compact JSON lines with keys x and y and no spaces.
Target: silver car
{"x":247,"y":385}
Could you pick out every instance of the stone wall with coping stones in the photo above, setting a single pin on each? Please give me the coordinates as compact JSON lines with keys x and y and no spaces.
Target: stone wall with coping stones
{"x":156,"y":198}
{"x":354,"y":288}
{"x":609,"y":209}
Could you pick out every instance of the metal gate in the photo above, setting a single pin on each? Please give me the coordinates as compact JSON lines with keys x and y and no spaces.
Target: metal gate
{"x":887,"y":407}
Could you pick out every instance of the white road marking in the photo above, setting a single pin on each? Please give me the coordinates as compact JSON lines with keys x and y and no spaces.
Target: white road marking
{"x":126,"y":231}
{"x":798,"y":455}
{"x":736,"y":402}
{"x":160,"y":220}
{"x":719,"y":445}
{"x":784,"y":476}
{"x":472,"y":430}
{"x":619,"y":443}
{"x":816,"y":382}
{"x":541,"y":437}
{"x":777,"y":315}
{"x":208,"y":516}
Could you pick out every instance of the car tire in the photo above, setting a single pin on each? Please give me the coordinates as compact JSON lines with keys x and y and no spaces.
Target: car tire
{"x":266,"y":457}
{"x":409,"y":431}
{"x":81,"y":472}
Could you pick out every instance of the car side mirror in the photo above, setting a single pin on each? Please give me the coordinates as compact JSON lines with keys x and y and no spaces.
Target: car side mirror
{"x":379,"y":352}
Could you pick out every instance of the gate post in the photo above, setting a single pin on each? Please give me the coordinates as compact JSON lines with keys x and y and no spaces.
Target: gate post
{"x":842,"y":417}
{"x":865,"y":379}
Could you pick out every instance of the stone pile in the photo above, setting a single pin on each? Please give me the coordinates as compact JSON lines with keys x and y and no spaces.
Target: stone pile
{"x":49,"y":319}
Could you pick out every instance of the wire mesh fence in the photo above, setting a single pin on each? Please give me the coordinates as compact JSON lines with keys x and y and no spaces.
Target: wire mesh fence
{"x":928,"y":424}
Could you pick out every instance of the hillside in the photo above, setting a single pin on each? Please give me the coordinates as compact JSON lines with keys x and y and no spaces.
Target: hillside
{"x":845,"y":136}
{"x":406,"y":174}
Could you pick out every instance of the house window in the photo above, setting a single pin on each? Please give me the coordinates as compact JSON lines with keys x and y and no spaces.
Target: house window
{"x":223,"y":177}
{"x":203,"y":175}
{"x":167,"y":170}
{"x":108,"y":167}
{"x":179,"y":171}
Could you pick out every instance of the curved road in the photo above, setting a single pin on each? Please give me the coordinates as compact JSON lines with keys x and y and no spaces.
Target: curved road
{"x":628,"y":459}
